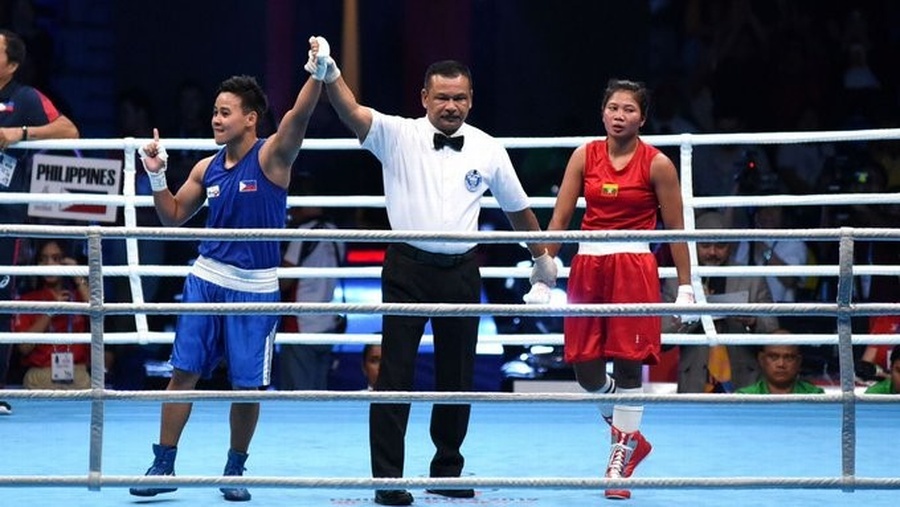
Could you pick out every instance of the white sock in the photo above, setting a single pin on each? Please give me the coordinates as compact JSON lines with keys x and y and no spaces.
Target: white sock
{"x":627,"y":418}
{"x":606,"y":409}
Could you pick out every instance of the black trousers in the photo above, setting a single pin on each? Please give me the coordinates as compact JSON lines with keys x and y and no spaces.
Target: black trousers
{"x":413,"y":276}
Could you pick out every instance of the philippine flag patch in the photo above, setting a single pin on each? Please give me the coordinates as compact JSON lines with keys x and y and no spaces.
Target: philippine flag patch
{"x":247,"y":186}
{"x":7,"y":107}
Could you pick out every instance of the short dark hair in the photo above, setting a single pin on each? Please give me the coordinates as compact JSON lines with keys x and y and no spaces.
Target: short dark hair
{"x":895,"y":354}
{"x":639,"y":89}
{"x":252,"y":96}
{"x":15,"y":47}
{"x":447,"y":68}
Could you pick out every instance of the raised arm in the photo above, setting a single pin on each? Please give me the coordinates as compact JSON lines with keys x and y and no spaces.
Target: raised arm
{"x":322,"y":66}
{"x":281,"y":149}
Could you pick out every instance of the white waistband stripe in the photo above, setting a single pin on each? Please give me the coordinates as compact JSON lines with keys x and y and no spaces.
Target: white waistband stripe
{"x":613,"y":247}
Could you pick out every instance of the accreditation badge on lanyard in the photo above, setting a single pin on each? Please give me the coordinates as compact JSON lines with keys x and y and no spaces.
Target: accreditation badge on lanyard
{"x":62,"y":363}
{"x":62,"y":367}
{"x":7,"y":169}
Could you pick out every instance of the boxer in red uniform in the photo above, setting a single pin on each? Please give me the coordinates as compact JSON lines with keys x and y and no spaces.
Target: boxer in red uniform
{"x":626,"y":184}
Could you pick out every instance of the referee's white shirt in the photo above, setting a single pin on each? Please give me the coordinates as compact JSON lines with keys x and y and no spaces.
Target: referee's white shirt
{"x":440,"y":190}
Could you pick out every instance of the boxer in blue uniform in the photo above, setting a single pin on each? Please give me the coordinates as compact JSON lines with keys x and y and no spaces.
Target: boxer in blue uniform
{"x":245,"y":185}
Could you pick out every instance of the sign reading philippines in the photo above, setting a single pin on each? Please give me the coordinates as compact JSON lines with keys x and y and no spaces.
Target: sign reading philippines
{"x":51,"y":174}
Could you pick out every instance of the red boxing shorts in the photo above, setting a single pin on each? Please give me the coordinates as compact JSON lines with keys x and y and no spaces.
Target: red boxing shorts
{"x":612,"y":279}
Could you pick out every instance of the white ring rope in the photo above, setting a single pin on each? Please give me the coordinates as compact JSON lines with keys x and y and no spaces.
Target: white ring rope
{"x":589,"y":483}
{"x":97,"y":308}
{"x":442,"y":397}
{"x":527,"y":339}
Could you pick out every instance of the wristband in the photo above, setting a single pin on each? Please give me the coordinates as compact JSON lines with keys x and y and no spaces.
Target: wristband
{"x":24,"y":132}
{"x":158,"y":180}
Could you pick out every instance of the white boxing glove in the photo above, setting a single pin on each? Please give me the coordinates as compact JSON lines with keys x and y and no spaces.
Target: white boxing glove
{"x":686,"y":297}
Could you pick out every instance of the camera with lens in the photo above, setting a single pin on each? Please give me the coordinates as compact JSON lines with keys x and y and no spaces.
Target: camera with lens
{"x":845,"y":174}
{"x":751,"y":180}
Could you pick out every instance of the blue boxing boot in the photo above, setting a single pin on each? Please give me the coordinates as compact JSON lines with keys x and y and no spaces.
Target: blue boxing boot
{"x":235,"y":466}
{"x":163,"y":464}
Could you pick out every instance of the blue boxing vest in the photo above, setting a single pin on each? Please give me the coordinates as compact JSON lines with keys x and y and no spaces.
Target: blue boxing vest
{"x":243,"y":198}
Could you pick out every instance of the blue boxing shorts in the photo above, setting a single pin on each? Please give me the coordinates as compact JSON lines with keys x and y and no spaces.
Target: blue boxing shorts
{"x":246,"y":342}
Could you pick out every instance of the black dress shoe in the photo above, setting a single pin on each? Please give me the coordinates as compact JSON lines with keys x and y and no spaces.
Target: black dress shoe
{"x":393,"y":497}
{"x":453,"y":493}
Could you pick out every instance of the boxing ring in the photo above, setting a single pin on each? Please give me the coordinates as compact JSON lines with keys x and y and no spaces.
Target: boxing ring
{"x":542,"y":449}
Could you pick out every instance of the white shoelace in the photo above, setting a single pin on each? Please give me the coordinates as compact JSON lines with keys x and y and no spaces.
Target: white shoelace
{"x":616,"y":461}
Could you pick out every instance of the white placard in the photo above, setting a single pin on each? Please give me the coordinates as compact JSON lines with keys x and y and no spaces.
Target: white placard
{"x":51,"y":174}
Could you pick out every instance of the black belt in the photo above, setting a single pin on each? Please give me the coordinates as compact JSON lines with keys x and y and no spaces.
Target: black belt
{"x":434,"y":259}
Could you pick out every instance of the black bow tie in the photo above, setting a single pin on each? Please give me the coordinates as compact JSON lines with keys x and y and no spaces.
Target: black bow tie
{"x":440,"y":140}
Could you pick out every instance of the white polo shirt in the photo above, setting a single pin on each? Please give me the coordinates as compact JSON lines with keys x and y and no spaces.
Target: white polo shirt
{"x":440,"y":190}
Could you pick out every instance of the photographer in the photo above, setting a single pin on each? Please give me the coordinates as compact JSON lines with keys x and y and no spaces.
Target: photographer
{"x":732,"y":169}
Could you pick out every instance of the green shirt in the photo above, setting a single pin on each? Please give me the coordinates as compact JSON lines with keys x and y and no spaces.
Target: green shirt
{"x":883,"y":387}
{"x":800,"y":387}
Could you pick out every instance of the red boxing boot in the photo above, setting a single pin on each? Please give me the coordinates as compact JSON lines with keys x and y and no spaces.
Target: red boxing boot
{"x":626,"y":453}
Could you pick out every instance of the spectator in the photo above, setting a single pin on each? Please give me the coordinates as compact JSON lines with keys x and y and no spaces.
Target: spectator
{"x":875,"y":363}
{"x":890,"y":385}
{"x":52,"y":366}
{"x":800,"y":166}
{"x":371,"y":363}
{"x":773,"y":253}
{"x":720,"y":368}
{"x":25,"y":114}
{"x":732,"y":169}
{"x":306,"y":367}
{"x":780,"y":367}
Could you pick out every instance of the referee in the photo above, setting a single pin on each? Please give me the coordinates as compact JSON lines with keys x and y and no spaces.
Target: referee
{"x":436,"y":169}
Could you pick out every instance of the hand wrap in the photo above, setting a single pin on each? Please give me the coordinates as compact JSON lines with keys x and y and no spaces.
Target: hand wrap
{"x":538,"y":295}
{"x":322,"y":66}
{"x":544,"y":270}
{"x":157,"y":177}
{"x":686,"y":297}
